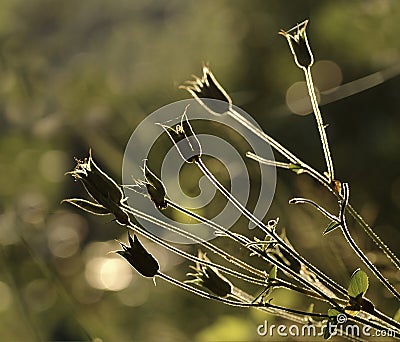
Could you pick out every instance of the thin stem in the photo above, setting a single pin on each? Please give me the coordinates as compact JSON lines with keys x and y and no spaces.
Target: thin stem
{"x":243,"y":240}
{"x":320,"y":178}
{"x":271,"y":308}
{"x":267,"y":230}
{"x":371,"y":324}
{"x":193,"y":258}
{"x":277,"y":146}
{"x":373,"y":236}
{"x":320,"y":123}
{"x":356,"y":249}
{"x":264,"y":161}
{"x":284,"y":284}
{"x":315,"y":205}
{"x":388,"y":320}
{"x":282,"y":150}
{"x":205,"y":294}
{"x":218,"y":228}
{"x":233,"y":302}
{"x":205,"y":244}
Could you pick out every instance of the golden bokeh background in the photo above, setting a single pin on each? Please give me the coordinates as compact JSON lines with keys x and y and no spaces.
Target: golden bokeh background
{"x":79,"y":74}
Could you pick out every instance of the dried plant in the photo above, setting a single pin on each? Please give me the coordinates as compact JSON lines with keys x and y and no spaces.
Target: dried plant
{"x":284,"y":266}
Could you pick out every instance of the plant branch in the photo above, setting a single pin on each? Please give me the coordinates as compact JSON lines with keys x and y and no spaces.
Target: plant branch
{"x":320,"y":123}
{"x":268,"y":231}
{"x":354,"y":246}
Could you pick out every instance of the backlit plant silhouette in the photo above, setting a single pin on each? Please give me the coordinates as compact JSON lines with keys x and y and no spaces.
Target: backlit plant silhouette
{"x":284,"y":266}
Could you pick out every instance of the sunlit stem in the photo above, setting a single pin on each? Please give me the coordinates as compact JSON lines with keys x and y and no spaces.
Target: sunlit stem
{"x":374,"y":237}
{"x":240,"y":303}
{"x":184,"y":254}
{"x":323,"y":180}
{"x":318,"y":176}
{"x":248,"y":245}
{"x":276,"y":145}
{"x":299,"y":200}
{"x":269,"y":162}
{"x":356,"y":248}
{"x":372,"y":323}
{"x":219,"y":228}
{"x":284,"y":284}
{"x":320,"y":123}
{"x":205,"y":294}
{"x":271,"y":233}
{"x":388,"y":320}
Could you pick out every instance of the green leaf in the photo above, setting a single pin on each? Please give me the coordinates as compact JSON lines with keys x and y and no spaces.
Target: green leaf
{"x":358,"y":284}
{"x":296,"y":168}
{"x":396,"y":316}
{"x":331,"y":226}
{"x":333,"y":312}
{"x":90,"y":207}
{"x":272,"y":273}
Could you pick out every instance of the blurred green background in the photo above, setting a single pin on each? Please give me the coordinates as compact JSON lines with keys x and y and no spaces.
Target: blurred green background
{"x":79,"y":74}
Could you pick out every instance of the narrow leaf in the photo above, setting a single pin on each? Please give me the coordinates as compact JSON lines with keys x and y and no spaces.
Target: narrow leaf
{"x":397,"y":316}
{"x":90,"y":207}
{"x":333,"y":312}
{"x":296,"y":168}
{"x":358,"y":284}
{"x":272,"y":273}
{"x":331,"y":226}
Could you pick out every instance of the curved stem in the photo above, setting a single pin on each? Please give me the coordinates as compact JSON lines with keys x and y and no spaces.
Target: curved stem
{"x":373,"y":236}
{"x":356,"y":249}
{"x":320,"y":178}
{"x":268,"y":231}
{"x":322,"y":210}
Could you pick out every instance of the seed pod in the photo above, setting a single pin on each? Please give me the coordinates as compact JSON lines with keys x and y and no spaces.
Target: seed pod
{"x":185,"y":139}
{"x":155,"y":188}
{"x":298,"y":43}
{"x":210,"y":278}
{"x":102,"y":188}
{"x":141,"y":260}
{"x":207,"y":87}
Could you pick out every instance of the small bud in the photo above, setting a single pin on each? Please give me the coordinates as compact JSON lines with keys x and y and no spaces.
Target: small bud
{"x":298,"y":43}
{"x":141,"y":260}
{"x":155,"y":188}
{"x":210,"y":278}
{"x":102,"y":188}
{"x":208,"y":87}
{"x":185,"y":139}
